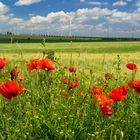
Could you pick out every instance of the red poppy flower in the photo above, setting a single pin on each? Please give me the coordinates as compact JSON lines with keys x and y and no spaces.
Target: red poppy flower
{"x":73,"y":84}
{"x":107,"y":110}
{"x":72,"y":69}
{"x":136,"y":86}
{"x":118,"y":94}
{"x":48,"y":64}
{"x":97,"y":90}
{"x":131,"y":66}
{"x":40,"y":64}
{"x":2,"y":63}
{"x":11,"y":89}
{"x":100,"y":98}
{"x":32,"y":64}
{"x":106,"y":102}
{"x":130,"y":84}
{"x":65,"y":81}
{"x":123,"y":89}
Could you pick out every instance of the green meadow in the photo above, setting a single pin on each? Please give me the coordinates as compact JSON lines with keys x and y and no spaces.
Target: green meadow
{"x":50,"y":109}
{"x":81,"y":53}
{"x":76,"y":47}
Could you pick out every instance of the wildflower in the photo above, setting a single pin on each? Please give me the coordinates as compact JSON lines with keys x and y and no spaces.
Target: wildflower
{"x":72,"y":69}
{"x":32,"y":64}
{"x":14,"y":73}
{"x":40,"y":64}
{"x":123,"y":89}
{"x":131,"y":66}
{"x":100,"y":97}
{"x":136,"y":86}
{"x":11,"y":89}
{"x":107,"y":110}
{"x":48,"y":64}
{"x":65,"y":81}
{"x":106,"y":102}
{"x":118,"y":94}
{"x":130,"y":84}
{"x":73,"y":83}
{"x":97,"y":90}
{"x":2,"y":63}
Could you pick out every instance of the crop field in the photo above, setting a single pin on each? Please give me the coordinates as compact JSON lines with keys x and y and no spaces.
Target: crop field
{"x":87,"y":54}
{"x":70,"y":91}
{"x":76,"y":47}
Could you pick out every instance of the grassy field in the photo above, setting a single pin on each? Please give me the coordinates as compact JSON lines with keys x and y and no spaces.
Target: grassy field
{"x":70,"y":104}
{"x":81,"y":53}
{"x":79,"y":47}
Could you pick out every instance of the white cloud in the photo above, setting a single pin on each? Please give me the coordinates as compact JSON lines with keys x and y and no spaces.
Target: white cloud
{"x":3,"y":18}
{"x":3,"y":8}
{"x":62,"y":22}
{"x":97,"y":3}
{"x":16,"y":21}
{"x":129,"y":19}
{"x":78,"y":17}
{"x":120,"y":17}
{"x":82,"y":22}
{"x":138,"y":3}
{"x":120,"y":3}
{"x":82,"y":0}
{"x":26,"y":2}
{"x":94,"y":3}
{"x":52,"y":17}
{"x":11,"y":15}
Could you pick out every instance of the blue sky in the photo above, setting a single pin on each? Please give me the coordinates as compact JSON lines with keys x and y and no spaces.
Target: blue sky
{"x":101,"y":18}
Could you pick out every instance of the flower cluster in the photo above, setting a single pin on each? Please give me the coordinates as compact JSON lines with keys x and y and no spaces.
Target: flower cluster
{"x":44,"y":64}
{"x":72,"y":81}
{"x":13,"y":88}
{"x":116,"y":94}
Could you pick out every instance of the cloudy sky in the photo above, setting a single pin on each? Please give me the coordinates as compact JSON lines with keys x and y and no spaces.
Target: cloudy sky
{"x":100,"y":18}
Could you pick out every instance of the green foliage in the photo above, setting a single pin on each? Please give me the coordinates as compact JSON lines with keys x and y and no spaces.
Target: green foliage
{"x":26,"y":38}
{"x":49,"y":110}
